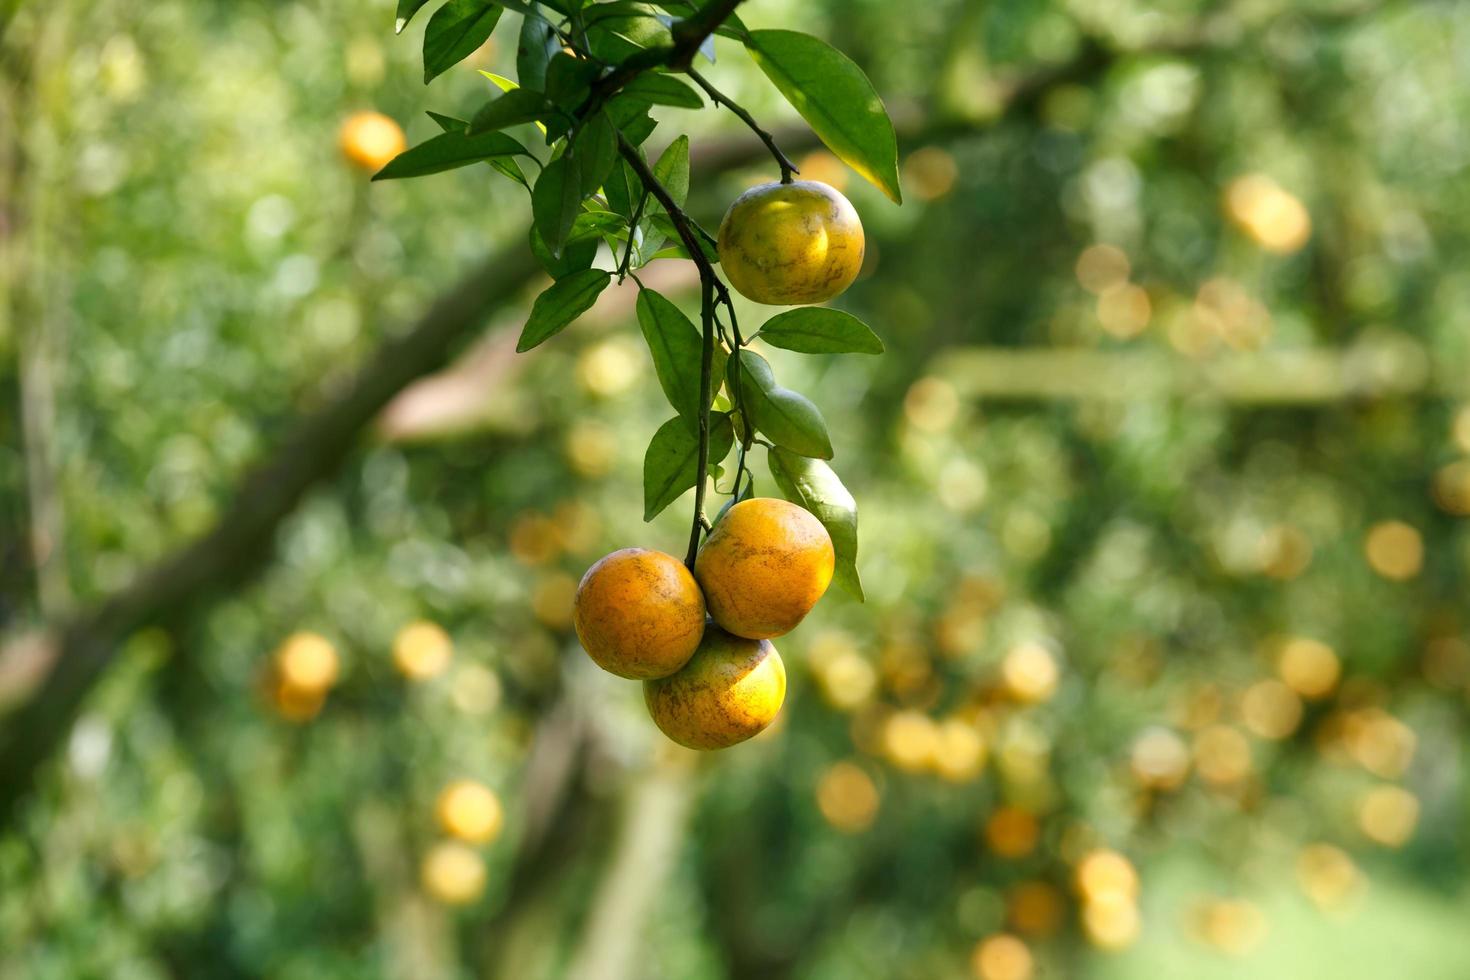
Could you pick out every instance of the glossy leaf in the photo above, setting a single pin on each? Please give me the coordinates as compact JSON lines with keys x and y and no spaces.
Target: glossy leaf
{"x":575,"y":255}
{"x":789,"y":419}
{"x":815,"y":330}
{"x":519,"y":105}
{"x":455,"y":31}
{"x":406,"y":10}
{"x":596,"y":149}
{"x":503,"y":164}
{"x":672,"y":170}
{"x":556,"y":200}
{"x":671,"y":463}
{"x":835,"y":98}
{"x":535,"y":48}
{"x":448,"y":151}
{"x":561,"y":303}
{"x":812,"y":484}
{"x":677,"y":346}
{"x":663,"y":90}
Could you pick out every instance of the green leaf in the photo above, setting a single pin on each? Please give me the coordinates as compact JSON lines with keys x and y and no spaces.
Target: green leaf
{"x":787,"y":417}
{"x":671,"y":464}
{"x":575,"y":255}
{"x":596,"y":147}
{"x":556,"y":200}
{"x":815,"y":330}
{"x":812,"y":484}
{"x":672,"y":170}
{"x":677,"y":347}
{"x":623,"y":189}
{"x":631,"y":117}
{"x":835,"y":98}
{"x":455,"y":31}
{"x":503,"y":164}
{"x":663,"y":90}
{"x":406,"y":10}
{"x":561,"y":303}
{"x":448,"y":151}
{"x":534,"y":50}
{"x":731,"y":28}
{"x":519,"y":105}
{"x":568,"y":80}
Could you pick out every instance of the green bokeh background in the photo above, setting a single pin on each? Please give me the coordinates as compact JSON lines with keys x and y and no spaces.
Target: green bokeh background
{"x":189,"y":266}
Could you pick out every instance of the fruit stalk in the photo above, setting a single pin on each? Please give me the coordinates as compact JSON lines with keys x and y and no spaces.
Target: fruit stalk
{"x":720,"y":98}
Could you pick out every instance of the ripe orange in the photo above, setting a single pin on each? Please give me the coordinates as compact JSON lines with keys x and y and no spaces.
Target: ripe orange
{"x":731,"y":689}
{"x":639,"y":613}
{"x":764,"y":566}
{"x":788,"y":244}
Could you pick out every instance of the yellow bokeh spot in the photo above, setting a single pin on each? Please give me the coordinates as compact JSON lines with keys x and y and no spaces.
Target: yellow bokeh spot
{"x":1002,"y":957}
{"x":1284,"y":552}
{"x":1124,"y":310}
{"x":475,"y":689}
{"x":1460,"y":429}
{"x":470,"y":811}
{"x":1012,"y":832}
{"x":1224,"y":309}
{"x":1159,"y":759}
{"x":1394,"y":550}
{"x":1102,"y":267}
{"x":847,"y":798}
{"x":959,"y":751}
{"x":1327,"y":875}
{"x":910,"y":739}
{"x":1273,"y":216}
{"x":1452,"y":488}
{"x":1222,"y":756}
{"x":931,"y":405}
{"x":1233,"y":926}
{"x":1030,"y":673}
{"x":847,"y":680}
{"x":370,"y":139}
{"x":1103,"y":874}
{"x":822,"y":166}
{"x":1111,"y":922}
{"x":1388,"y":814}
{"x":422,"y":650}
{"x":1379,"y":742}
{"x":534,"y":539}
{"x":453,"y":873}
{"x":1309,"y":667}
{"x":929,"y":173}
{"x":1035,"y":908}
{"x":1271,"y":709}
{"x":552,"y":599}
{"x":307,"y":663}
{"x":609,"y":368}
{"x":590,"y":448}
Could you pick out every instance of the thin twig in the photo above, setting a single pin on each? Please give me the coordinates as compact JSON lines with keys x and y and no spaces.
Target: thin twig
{"x":720,"y":98}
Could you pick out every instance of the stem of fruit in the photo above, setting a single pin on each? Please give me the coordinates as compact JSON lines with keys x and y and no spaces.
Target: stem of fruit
{"x":720,"y":98}
{"x":711,"y":290}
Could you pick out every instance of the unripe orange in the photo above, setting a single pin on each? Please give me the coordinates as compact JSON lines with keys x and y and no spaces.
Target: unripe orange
{"x":788,"y":244}
{"x":639,"y":613}
{"x":764,"y":566}
{"x":730,"y":690}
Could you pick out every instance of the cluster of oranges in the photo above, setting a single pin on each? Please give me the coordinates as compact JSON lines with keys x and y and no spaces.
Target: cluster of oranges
{"x":700,"y":641}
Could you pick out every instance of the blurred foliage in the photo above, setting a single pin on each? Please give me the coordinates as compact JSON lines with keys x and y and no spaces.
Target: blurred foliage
{"x":1157,"y":685}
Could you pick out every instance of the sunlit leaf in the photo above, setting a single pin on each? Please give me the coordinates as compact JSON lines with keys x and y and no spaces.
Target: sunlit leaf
{"x":671,"y":463}
{"x":790,"y":419}
{"x":816,"y":330}
{"x":561,"y":303}
{"x":455,"y":31}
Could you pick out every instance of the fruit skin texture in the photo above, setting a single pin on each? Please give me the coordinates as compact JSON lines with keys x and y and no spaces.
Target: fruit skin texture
{"x":763,"y":567}
{"x":789,"y":244}
{"x":730,"y":690}
{"x":639,"y":613}
{"x":370,"y":139}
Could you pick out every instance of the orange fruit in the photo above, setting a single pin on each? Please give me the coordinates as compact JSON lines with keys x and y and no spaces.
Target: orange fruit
{"x":789,"y":244}
{"x":370,"y":139}
{"x":730,"y":690}
{"x":763,"y":567}
{"x":639,"y":613}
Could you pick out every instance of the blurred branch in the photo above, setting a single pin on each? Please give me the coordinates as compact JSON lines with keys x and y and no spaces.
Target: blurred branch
{"x":241,"y":539}
{"x":651,"y":833}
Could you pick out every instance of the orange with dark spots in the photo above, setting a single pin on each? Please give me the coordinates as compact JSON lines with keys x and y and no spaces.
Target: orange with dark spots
{"x":763,"y":567}
{"x":639,"y":613}
{"x":731,"y":689}
{"x":789,"y":244}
